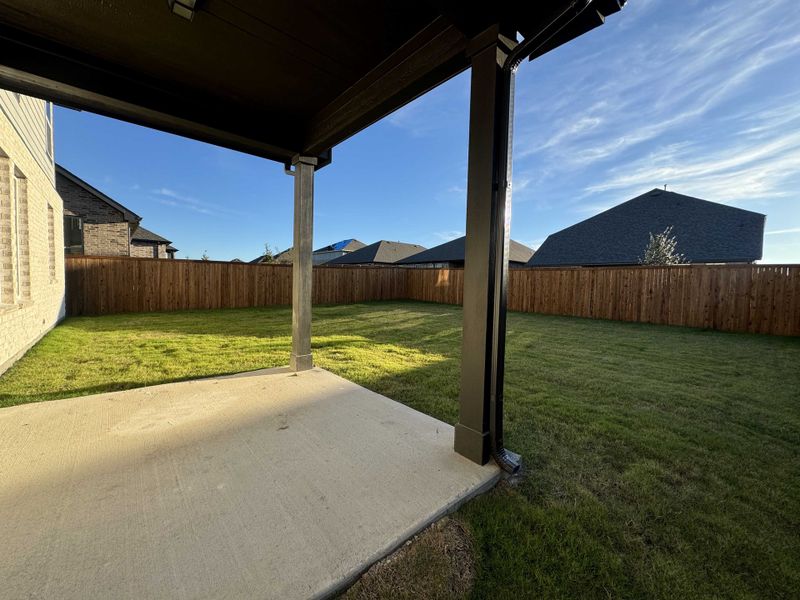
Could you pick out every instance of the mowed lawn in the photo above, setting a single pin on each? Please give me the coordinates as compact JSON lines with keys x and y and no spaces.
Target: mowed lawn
{"x":660,"y":462}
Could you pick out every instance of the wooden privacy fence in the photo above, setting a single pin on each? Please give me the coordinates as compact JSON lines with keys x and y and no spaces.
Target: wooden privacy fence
{"x":746,"y":298}
{"x":107,"y":285}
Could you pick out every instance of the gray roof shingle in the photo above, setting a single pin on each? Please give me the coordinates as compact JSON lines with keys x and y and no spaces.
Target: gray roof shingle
{"x":145,"y":235}
{"x":453,"y":251}
{"x":706,"y":232}
{"x":349,"y":245}
{"x":382,"y":252}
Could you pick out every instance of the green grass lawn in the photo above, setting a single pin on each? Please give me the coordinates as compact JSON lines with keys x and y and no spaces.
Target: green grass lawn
{"x":659,"y":462}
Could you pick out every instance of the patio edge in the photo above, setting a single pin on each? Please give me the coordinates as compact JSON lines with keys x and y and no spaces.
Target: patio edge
{"x":350,"y":579}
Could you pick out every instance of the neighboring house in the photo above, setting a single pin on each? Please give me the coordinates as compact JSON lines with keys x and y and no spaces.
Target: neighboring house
{"x":146,"y":244}
{"x":319,"y":256}
{"x":706,"y":232}
{"x":97,"y":225}
{"x":379,"y":253}
{"x":284,"y":257}
{"x":31,"y":226}
{"x":451,"y":255}
{"x":341,"y":248}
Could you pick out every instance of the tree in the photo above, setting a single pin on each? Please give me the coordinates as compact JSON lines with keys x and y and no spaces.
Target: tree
{"x":204,"y":256}
{"x":662,"y":250}
{"x":269,"y":253}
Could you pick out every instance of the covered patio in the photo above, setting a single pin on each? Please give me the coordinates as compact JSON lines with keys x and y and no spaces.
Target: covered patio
{"x":287,"y":483}
{"x":268,"y":484}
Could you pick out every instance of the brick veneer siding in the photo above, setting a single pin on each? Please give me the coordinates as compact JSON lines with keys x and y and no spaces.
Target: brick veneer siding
{"x":105,"y":230}
{"x":28,"y":313}
{"x":142,"y":249}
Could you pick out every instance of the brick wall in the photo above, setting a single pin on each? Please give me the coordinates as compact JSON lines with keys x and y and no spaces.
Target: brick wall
{"x":105,"y":230}
{"x":31,"y":269}
{"x":142,"y":249}
{"x":106,"y":239}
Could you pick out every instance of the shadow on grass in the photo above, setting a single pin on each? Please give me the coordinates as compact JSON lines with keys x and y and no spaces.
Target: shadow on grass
{"x":660,"y":461}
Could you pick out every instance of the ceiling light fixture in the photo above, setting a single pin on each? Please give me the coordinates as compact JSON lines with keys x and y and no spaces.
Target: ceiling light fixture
{"x":183,"y":8}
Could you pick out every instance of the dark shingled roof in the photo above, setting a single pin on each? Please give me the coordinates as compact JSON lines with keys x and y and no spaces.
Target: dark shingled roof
{"x":382,"y":252}
{"x":453,"y":251}
{"x":145,"y":235}
{"x":705,"y":232}
{"x":342,"y":246}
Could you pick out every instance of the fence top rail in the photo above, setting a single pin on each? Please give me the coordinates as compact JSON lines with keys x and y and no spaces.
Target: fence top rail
{"x":643,"y":267}
{"x":80,"y":257}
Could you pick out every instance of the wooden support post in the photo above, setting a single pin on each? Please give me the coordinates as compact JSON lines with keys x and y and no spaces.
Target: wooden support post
{"x":477,"y":433}
{"x":302,"y":274}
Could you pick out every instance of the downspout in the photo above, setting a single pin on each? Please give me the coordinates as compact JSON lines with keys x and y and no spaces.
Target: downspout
{"x":507,"y":460}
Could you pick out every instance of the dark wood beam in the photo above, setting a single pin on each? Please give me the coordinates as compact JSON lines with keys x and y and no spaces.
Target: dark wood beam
{"x":39,"y":68}
{"x":431,"y":57}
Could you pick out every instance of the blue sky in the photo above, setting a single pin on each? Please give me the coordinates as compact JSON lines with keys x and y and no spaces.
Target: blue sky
{"x":701,"y":96}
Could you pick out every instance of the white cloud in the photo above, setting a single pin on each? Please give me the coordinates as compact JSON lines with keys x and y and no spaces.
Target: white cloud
{"x":700,"y":97}
{"x":783,"y":231}
{"x":170,"y":197}
{"x":673,"y":76}
{"x":447,"y":236}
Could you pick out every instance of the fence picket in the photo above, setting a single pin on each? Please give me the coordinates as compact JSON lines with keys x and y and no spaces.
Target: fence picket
{"x":746,"y":298}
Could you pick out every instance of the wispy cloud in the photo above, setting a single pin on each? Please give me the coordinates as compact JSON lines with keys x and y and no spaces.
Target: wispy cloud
{"x":783,"y":231}
{"x":656,"y":88}
{"x":697,"y":99}
{"x":169,"y":197}
{"x":446,"y":236}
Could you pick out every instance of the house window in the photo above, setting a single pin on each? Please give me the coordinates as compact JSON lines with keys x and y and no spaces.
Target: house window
{"x":73,"y":235}
{"x":6,"y":238}
{"x":19,"y":203}
{"x":48,"y":117}
{"x":51,"y":243}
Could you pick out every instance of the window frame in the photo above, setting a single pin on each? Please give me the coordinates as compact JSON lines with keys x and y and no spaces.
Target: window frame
{"x":67,"y":237}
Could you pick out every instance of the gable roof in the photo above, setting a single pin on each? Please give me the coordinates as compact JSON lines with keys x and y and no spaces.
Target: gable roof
{"x":279,"y":257}
{"x":349,"y":245}
{"x":454,"y":251}
{"x":383,"y":252}
{"x":705,"y":232}
{"x":140,"y":234}
{"x":128,"y":214}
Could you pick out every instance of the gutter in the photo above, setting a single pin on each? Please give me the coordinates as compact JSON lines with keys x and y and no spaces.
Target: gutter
{"x":509,"y":461}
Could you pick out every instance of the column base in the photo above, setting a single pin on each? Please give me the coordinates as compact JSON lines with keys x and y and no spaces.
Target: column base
{"x":300,"y":362}
{"x":472,"y":444}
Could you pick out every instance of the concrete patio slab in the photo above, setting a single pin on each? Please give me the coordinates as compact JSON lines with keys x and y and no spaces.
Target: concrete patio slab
{"x":265,"y":485}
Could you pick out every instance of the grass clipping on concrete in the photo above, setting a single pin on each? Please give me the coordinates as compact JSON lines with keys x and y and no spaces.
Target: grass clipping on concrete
{"x":437,"y":564}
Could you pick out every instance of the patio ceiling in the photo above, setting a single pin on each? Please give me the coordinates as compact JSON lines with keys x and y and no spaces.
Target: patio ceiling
{"x":270,"y":78}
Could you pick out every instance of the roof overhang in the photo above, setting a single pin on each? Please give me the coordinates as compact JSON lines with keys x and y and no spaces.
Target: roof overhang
{"x":269,"y":78}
